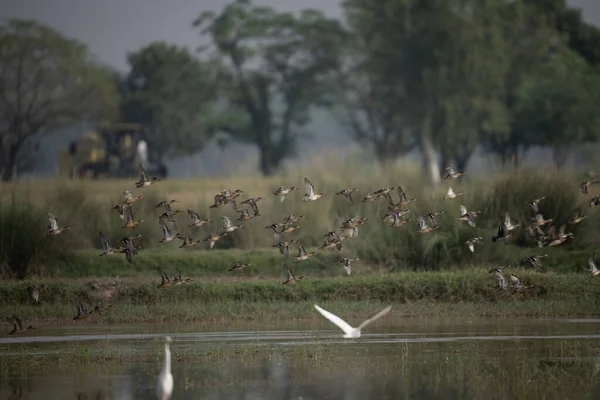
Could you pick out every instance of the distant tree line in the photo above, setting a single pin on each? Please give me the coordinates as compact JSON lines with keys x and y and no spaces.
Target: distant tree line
{"x":441,"y":77}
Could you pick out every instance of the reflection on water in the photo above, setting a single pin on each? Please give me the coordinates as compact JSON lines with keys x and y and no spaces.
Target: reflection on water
{"x":524,"y":360}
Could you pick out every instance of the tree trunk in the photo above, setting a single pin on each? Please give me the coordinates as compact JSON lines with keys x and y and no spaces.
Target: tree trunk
{"x":444,"y":159}
{"x":560,"y":155}
{"x":516,"y":157}
{"x":385,"y":156}
{"x":266,"y":165}
{"x":9,"y":164}
{"x":429,"y":155}
{"x":461,"y":161}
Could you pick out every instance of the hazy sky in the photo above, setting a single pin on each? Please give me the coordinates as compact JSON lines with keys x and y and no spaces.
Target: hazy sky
{"x":111,"y":28}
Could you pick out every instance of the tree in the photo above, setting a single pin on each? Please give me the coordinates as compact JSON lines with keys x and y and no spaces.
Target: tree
{"x":47,"y":82}
{"x":557,"y":106}
{"x":276,"y":65}
{"x":470,"y":82}
{"x":371,"y":107}
{"x":173,"y":94}
{"x":530,"y":40}
{"x":444,"y":66}
{"x":580,"y":36}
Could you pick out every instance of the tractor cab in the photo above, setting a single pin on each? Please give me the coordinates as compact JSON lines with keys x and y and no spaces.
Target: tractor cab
{"x":113,"y":151}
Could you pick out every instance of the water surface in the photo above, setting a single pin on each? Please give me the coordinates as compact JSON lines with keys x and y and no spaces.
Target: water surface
{"x":467,"y":359}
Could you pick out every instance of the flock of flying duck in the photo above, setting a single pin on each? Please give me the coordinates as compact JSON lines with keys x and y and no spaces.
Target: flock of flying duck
{"x":542,"y":230}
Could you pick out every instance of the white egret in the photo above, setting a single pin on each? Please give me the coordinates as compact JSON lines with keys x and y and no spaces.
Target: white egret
{"x":349,"y":331}
{"x":164,"y":385}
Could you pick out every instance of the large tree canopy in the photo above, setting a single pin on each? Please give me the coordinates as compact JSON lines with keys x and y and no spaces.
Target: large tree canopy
{"x":47,"y":82}
{"x":558,"y":106}
{"x":276,"y":66}
{"x":173,"y":94}
{"x":456,"y":74}
{"x":439,"y":70}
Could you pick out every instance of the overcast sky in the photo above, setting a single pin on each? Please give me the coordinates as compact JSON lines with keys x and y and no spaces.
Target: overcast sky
{"x":111,"y":28}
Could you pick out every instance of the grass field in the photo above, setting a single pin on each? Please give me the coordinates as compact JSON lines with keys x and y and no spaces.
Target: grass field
{"x":437,"y":294}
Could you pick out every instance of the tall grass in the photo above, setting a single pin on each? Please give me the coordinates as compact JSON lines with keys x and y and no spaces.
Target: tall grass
{"x":87,"y":206}
{"x":24,"y":247}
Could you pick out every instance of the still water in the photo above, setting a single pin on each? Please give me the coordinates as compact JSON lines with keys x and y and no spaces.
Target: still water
{"x":476,"y":359}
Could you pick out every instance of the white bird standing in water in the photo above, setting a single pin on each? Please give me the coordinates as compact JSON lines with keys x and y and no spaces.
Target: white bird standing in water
{"x":164,"y":385}
{"x":349,"y":331}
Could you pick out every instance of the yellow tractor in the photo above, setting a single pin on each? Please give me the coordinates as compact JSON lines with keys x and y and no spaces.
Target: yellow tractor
{"x":111,"y":151}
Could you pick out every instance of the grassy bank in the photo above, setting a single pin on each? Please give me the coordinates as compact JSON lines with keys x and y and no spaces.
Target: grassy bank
{"x":472,"y":292}
{"x":25,"y":251}
{"x":267,"y":263}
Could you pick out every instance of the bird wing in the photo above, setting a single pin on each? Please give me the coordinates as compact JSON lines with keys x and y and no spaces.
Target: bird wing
{"x":501,"y":231}
{"x":507,"y":221}
{"x":562,"y":231}
{"x":79,"y":307}
{"x":592,"y":265}
{"x":471,"y":220}
{"x":502,"y":281}
{"x":285,"y":251}
{"x":389,"y":198}
{"x":422,"y":223}
{"x":53,"y":221}
{"x":130,"y":256}
{"x":253,"y":206}
{"x":227,"y":223}
{"x":433,"y":220}
{"x":401,"y":195}
{"x":534,"y":206}
{"x":142,"y":173}
{"x":395,"y":217}
{"x":194,"y":216}
{"x":233,"y":204}
{"x":301,"y":251}
{"x":343,"y":325}
{"x":335,"y":236}
{"x":129,"y":215}
{"x":348,"y":197}
{"x":375,"y":317}
{"x":552,"y":232}
{"x":450,"y":192}
{"x":463,"y":210}
{"x":18,"y":322}
{"x":104,"y":240}
{"x":310,"y":188}
{"x":165,"y":229}
{"x":163,"y":275}
{"x":348,"y":269}
{"x":288,"y":273}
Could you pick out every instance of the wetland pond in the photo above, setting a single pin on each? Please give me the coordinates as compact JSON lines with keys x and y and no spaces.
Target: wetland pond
{"x":404,"y":359}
